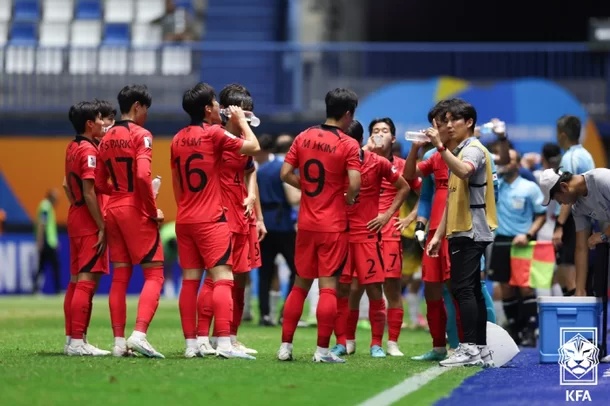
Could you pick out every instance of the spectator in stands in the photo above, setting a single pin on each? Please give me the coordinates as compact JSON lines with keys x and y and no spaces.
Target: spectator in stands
{"x":46,"y":240}
{"x":178,"y":24}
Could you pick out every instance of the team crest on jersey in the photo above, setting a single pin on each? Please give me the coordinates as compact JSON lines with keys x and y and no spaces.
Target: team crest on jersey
{"x":228,"y":134}
{"x":148,"y":142}
{"x":394,"y":170}
{"x":91,"y":161}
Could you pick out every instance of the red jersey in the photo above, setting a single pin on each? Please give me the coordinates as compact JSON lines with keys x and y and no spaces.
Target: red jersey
{"x":234,"y":191}
{"x":126,"y":154}
{"x":80,"y":165}
{"x":323,"y":154}
{"x":436,"y":166}
{"x":196,"y":161}
{"x":375,"y":169}
{"x":386,"y":197}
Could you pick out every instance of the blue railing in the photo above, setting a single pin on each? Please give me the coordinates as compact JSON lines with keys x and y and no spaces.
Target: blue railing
{"x":284,"y":77}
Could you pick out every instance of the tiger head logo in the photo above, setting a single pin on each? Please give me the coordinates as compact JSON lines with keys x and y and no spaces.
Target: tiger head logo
{"x":578,"y":356}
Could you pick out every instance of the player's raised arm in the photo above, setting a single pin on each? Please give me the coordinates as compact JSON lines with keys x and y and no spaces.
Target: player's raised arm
{"x":251,"y":145}
{"x":143,"y":173}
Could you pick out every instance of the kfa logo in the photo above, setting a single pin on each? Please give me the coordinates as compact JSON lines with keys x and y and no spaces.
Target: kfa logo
{"x":578,"y":361}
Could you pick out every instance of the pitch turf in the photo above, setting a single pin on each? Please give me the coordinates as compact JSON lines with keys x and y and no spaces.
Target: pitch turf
{"x":34,"y":371}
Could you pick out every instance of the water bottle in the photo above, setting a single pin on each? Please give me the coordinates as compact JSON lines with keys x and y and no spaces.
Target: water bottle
{"x":156,"y":185}
{"x":378,"y":140}
{"x":491,"y":127}
{"x":416,"y":136}
{"x":254,"y":121}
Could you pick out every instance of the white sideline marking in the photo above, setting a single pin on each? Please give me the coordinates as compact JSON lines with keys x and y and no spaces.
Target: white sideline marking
{"x":406,"y":387}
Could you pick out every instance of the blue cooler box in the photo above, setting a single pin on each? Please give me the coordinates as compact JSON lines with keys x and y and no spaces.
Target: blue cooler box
{"x":555,"y":312}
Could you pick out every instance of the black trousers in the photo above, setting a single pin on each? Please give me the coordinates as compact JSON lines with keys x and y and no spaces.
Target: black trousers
{"x":48,"y":256}
{"x":466,"y":287}
{"x":274,"y":243}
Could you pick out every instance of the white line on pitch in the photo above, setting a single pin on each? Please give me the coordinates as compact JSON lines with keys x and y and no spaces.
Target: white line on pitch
{"x":406,"y":387}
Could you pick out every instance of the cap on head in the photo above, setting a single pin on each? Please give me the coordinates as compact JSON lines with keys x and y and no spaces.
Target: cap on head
{"x":548,"y":180}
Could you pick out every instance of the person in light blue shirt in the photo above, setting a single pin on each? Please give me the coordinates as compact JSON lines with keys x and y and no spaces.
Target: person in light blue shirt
{"x":576,"y":160}
{"x":520,"y":217}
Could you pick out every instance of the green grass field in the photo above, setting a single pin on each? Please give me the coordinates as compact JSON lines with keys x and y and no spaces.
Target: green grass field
{"x":34,"y":371}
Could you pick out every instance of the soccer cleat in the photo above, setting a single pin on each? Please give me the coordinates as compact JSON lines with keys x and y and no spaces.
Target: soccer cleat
{"x":339,"y":350}
{"x":141,"y":345}
{"x":328,"y":358}
{"x":486,"y":356}
{"x":204,"y":346}
{"x":213,"y":342}
{"x":231,"y":352}
{"x":79,"y":350}
{"x":191,"y":352}
{"x":241,"y":347}
{"x":66,"y":348}
{"x":377,"y":352}
{"x":431,"y":355}
{"x":285,"y":352}
{"x":393,"y":349}
{"x":350,"y":347}
{"x":97,"y":352}
{"x":118,"y":351}
{"x":465,"y":355}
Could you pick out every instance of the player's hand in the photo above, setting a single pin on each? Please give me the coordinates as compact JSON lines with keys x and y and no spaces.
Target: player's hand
{"x":378,"y":222}
{"x":100,"y":245}
{"x":498,"y":129}
{"x":433,"y":247}
{"x":237,"y":114}
{"x":160,"y":217}
{"x":433,"y":134}
{"x":594,"y":240}
{"x":402,"y":224}
{"x":557,"y":236}
{"x":249,"y":205}
{"x":520,"y":240}
{"x":261,"y":230}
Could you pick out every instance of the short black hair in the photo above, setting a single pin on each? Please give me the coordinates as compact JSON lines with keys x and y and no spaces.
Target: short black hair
{"x":459,"y":108}
{"x":105,"y":107}
{"x":82,"y":112}
{"x":236,"y":94}
{"x":386,"y":120}
{"x":356,"y":131}
{"x":340,"y":101}
{"x":551,"y":152}
{"x":570,"y":125}
{"x":266,"y":142}
{"x":195,"y":99}
{"x":131,"y":94}
{"x":439,"y":111}
{"x":282,"y":147}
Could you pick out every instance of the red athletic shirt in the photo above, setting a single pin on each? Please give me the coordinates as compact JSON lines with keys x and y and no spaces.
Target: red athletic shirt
{"x":375,"y":169}
{"x":81,"y":163}
{"x":126,"y":156}
{"x":196,"y":161}
{"x":234,"y":191}
{"x":436,"y":165}
{"x":386,"y":197}
{"x":323,"y":154}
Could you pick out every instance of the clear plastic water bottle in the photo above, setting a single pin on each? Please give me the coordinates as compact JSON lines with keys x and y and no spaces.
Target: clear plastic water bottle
{"x":254,"y":121}
{"x":156,"y":185}
{"x":498,"y":127}
{"x":417,"y":136}
{"x":378,"y":140}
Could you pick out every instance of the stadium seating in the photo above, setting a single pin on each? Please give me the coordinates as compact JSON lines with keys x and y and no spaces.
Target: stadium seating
{"x":26,"y":10}
{"x":5,"y":11}
{"x":57,"y":10}
{"x":89,"y":10}
{"x":148,"y":10}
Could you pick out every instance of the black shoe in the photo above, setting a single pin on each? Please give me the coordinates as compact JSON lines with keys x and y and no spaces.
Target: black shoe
{"x":528,"y":337}
{"x":266,"y":322}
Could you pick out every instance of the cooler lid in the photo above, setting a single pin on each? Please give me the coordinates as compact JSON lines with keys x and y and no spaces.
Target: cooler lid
{"x":569,"y":299}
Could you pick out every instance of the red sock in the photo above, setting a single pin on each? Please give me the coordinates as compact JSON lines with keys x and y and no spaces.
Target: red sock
{"x":458,"y":321}
{"x":352,"y":324}
{"x":90,"y":309}
{"x":293,"y":309}
{"x":326,"y":313}
{"x":437,"y":322}
{"x":149,"y":297}
{"x":222,"y":298}
{"x":341,"y":320}
{"x":68,"y":307}
{"x":238,"y":308}
{"x":205,"y":308}
{"x":395,"y":317}
{"x":187,"y":302}
{"x":117,"y":299}
{"x":81,"y":307}
{"x":377,"y":318}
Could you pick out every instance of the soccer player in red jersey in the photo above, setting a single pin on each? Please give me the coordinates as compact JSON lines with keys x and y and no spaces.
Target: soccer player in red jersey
{"x":326,"y":159}
{"x":202,"y":230}
{"x":365,"y":259}
{"x":86,"y":229}
{"x":132,"y":219}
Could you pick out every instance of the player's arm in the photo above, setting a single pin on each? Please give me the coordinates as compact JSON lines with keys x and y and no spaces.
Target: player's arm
{"x":293,"y":195}
{"x":353,"y":187}
{"x":102,"y":186}
{"x":287,"y":175}
{"x":402,"y":191}
{"x":94,"y":209}
{"x":143,"y":184}
{"x":354,"y":162}
{"x":581,"y":261}
{"x":176,"y":187}
{"x":424,"y":204}
{"x":250,"y":145}
{"x":411,"y":170}
{"x":251,"y":187}
{"x":64,"y":185}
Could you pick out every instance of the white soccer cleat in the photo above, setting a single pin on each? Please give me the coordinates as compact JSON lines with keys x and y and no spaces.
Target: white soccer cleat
{"x":141,"y":345}
{"x":66,"y":349}
{"x":328,"y":358}
{"x":214,"y":342}
{"x":466,"y":355}
{"x":204,"y":346}
{"x":119,"y":351}
{"x":97,"y":352}
{"x":393,"y":349}
{"x":79,"y":350}
{"x":350,"y":346}
{"x":231,"y":352}
{"x":241,"y":347}
{"x":191,"y":352}
{"x":486,"y":356}
{"x":285,"y":352}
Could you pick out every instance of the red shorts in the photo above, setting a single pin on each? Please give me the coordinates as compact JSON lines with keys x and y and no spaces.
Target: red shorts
{"x":132,"y":237}
{"x":320,"y":254}
{"x":364,"y":260}
{"x":240,"y":246}
{"x":84,"y":258}
{"x":255,"y":248}
{"x":436,"y":269}
{"x":203,"y":245}
{"x":392,"y":258}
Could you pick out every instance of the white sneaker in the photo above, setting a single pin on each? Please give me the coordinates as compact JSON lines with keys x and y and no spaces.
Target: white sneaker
{"x":285,"y":352}
{"x":231,"y":352}
{"x":464,"y":355}
{"x":241,"y":347}
{"x":486,"y":356}
{"x":119,"y":351}
{"x":328,"y":358}
{"x":204,"y":346}
{"x":213,"y":342}
{"x":79,"y":350}
{"x":97,"y":352}
{"x":191,"y":352}
{"x":66,"y":348}
{"x":350,"y":346}
{"x":141,"y":345}
{"x":393,"y":349}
